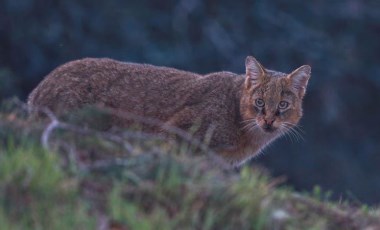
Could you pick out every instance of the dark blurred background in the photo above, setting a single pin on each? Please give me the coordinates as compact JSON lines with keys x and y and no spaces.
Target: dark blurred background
{"x":339,"y":39}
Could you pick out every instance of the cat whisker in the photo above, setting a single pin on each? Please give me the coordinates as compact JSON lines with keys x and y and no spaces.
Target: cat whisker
{"x":250,"y":126}
{"x":296,"y":126}
{"x":296,"y":134}
{"x":253,"y":128}
{"x":285,"y":132}
{"x":249,"y":121}
{"x":293,"y":131}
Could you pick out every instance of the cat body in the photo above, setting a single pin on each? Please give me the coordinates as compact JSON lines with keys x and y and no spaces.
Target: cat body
{"x":223,"y":105}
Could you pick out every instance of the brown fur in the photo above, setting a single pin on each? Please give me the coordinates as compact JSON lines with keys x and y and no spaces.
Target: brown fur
{"x":221,"y":102}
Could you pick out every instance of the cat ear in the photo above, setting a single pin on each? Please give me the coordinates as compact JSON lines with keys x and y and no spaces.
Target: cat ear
{"x":253,"y":71}
{"x":299,"y":79}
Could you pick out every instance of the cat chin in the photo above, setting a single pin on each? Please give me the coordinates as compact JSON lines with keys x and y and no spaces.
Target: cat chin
{"x":269,"y":131}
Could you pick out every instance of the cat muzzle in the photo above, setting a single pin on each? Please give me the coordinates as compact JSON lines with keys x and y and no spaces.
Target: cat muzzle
{"x":268,"y":127}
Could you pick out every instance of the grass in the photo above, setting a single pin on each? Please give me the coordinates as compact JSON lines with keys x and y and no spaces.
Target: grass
{"x":86,"y":178}
{"x":35,"y":192}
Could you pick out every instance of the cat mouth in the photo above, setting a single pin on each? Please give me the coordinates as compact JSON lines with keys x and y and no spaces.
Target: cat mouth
{"x":268,"y":128}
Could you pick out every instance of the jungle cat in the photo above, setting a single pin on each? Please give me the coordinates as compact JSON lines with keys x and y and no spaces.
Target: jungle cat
{"x":245,"y":112}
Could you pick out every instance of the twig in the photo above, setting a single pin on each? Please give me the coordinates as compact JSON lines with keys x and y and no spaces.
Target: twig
{"x":47,"y":132}
{"x":121,"y":114}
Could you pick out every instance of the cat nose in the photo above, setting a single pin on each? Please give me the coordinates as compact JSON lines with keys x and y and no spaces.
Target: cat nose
{"x":269,"y":121}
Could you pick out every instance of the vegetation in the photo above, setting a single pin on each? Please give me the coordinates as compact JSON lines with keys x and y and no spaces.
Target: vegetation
{"x":339,"y":39}
{"x":61,"y":176}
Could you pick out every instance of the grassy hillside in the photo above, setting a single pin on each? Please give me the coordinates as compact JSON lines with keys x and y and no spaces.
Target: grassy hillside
{"x":59,"y":175}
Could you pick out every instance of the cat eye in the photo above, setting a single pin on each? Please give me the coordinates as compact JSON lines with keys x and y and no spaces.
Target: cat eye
{"x":259,"y":102}
{"x":283,"y":105}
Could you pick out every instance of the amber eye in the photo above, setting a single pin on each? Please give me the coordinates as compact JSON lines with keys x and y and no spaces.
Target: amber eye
{"x":283,"y":105}
{"x":260,"y":102}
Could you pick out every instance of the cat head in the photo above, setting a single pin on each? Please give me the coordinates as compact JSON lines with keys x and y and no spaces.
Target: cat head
{"x":272,"y":101}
